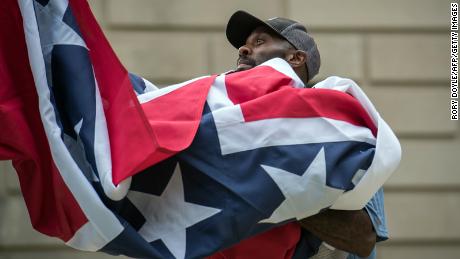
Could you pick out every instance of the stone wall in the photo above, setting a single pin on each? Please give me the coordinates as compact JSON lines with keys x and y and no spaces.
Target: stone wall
{"x":398,"y":51}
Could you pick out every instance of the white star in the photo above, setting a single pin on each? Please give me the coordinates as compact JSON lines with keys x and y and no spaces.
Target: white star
{"x":304,"y":195}
{"x":167,"y":216}
{"x":54,"y":30}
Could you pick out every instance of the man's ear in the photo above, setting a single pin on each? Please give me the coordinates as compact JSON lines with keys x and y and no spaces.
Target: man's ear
{"x":297,"y":58}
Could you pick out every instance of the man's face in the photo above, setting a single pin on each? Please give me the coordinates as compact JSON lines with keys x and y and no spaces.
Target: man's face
{"x":261,"y":45}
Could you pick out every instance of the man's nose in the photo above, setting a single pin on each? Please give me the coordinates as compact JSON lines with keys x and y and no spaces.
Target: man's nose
{"x":244,"y":51}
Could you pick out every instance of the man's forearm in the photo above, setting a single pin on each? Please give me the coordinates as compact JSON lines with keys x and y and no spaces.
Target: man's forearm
{"x":350,"y":231}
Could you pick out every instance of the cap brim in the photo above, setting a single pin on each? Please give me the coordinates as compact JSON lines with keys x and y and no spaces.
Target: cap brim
{"x":240,"y":25}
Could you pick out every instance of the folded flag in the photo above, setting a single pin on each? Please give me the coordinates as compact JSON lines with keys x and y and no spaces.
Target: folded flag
{"x":187,"y":170}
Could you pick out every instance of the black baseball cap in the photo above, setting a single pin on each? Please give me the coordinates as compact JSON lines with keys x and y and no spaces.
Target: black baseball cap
{"x":241,"y":24}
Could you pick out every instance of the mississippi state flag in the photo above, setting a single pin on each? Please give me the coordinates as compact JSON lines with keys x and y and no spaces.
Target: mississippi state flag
{"x":180,"y":172}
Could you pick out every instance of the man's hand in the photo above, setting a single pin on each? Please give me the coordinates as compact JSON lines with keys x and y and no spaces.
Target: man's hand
{"x":350,"y":231}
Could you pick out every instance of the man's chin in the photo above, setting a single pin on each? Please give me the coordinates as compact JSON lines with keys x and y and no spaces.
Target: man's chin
{"x":243,"y":67}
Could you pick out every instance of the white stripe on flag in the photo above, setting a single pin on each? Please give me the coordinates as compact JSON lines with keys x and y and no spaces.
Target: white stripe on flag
{"x":87,"y":238}
{"x":236,"y":135}
{"x":103,"y":226}
{"x":217,"y":96}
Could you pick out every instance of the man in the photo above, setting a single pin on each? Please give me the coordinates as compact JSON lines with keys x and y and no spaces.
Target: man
{"x":201,"y":193}
{"x":352,"y":231}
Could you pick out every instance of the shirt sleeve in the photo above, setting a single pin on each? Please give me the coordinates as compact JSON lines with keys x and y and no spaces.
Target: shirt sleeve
{"x":375,"y":209}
